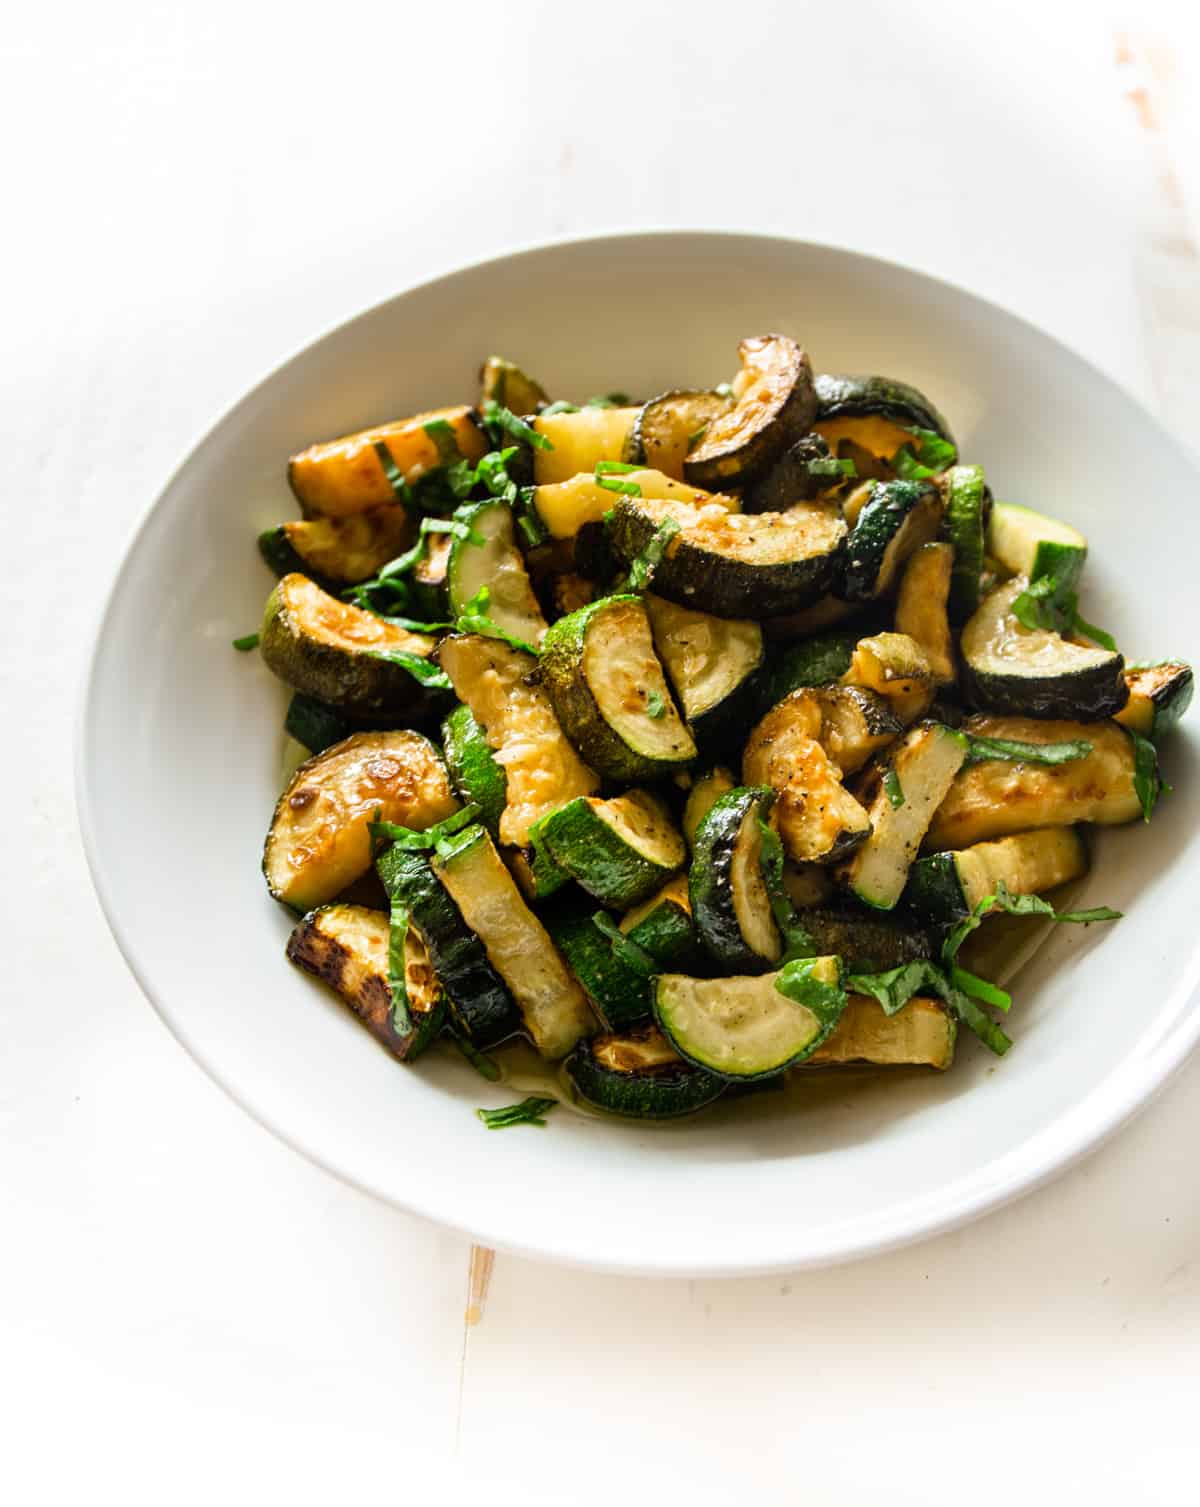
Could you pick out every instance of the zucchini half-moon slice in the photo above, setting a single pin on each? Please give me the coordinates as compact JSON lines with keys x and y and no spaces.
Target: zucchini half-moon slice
{"x":710,"y":661}
{"x":640,"y":1074}
{"x":487,"y":555}
{"x":874,"y":413}
{"x":620,"y":850}
{"x":774,"y":405}
{"x":1011,"y":668}
{"x":730,"y":903}
{"x":504,"y":382}
{"x":922,"y":1034}
{"x":897,"y":518}
{"x":1158,"y":696}
{"x":948,"y":886}
{"x":805,"y":471}
{"x":668,"y":427}
{"x":922,"y":607}
{"x":338,"y":551}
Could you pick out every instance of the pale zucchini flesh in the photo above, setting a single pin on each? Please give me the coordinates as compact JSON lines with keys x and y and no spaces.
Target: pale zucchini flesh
{"x":626,"y":679}
{"x":707,"y":789}
{"x":487,"y":556}
{"x":707,"y":658}
{"x":921,"y":1034}
{"x":922,"y":607}
{"x":1027,"y":863}
{"x":580,"y":441}
{"x":894,"y":666}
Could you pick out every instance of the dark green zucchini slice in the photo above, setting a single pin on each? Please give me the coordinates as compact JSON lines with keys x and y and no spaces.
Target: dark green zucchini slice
{"x":814,"y":661}
{"x":338,"y":551}
{"x":805,"y":471}
{"x":999,"y":797}
{"x":620,"y":850}
{"x":965,"y":492}
{"x":875,"y":412}
{"x":867,"y":941}
{"x":948,"y":886}
{"x":706,"y":789}
{"x":774,"y":405}
{"x":641,"y":1075}
{"x":580,"y":441}
{"x":319,"y":843}
{"x":897,"y":518}
{"x":735,"y":564}
{"x":922,"y":607}
{"x":730,"y":903}
{"x":668,"y":426}
{"x":901,"y":796}
{"x":504,"y":382}
{"x":542,"y":770}
{"x":1158,"y":696}
{"x":314,"y":724}
{"x":1029,"y":544}
{"x":1010,"y":668}
{"x":346,"y":947}
{"x":894,"y":666}
{"x":487,"y":556}
{"x":663,"y":925}
{"x":620,"y":996}
{"x":481,"y":1008}
{"x":474,"y":772}
{"x":922,"y":1034}
{"x":711,"y":662}
{"x":607,"y":687}
{"x":346,"y":476}
{"x":552,"y":1003}
{"x":741,"y":1027}
{"x":335,"y":652}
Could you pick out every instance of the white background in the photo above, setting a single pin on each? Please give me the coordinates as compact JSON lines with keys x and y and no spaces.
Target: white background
{"x":189,"y":1311}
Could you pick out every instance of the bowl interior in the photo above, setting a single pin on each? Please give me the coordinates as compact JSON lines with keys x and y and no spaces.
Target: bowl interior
{"x":181,"y":746}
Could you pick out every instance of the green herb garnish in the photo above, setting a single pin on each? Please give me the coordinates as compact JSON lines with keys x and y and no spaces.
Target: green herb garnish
{"x":796,"y":981}
{"x":608,"y":400}
{"x":560,"y":406}
{"x":433,"y":677}
{"x":1051,"y":604}
{"x":500,"y":420}
{"x":1147,"y":782}
{"x":422,"y":841}
{"x":831,"y":466}
{"x":480,"y":1061}
{"x":531,"y":1111}
{"x":643,"y":566}
{"x":441,"y":432}
{"x":244,"y":644}
{"x":615,"y":468}
{"x":893,"y":789}
{"x":393,"y":473}
{"x":1017,"y":905}
{"x":656,"y":707}
{"x":397,"y":932}
{"x":980,"y":750}
{"x":697,"y":435}
{"x":929,"y":456}
{"x":796,"y":941}
{"x":474,"y":618}
{"x":895,"y":987}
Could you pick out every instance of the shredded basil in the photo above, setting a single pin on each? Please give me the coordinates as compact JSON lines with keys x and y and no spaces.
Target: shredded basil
{"x":656,"y":707}
{"x":429,"y":675}
{"x":831,"y":466}
{"x":531,"y":1111}
{"x":643,"y":566}
{"x":981,"y":989}
{"x":1147,"y":782}
{"x":1017,"y":905}
{"x":894,"y":988}
{"x":397,"y":932}
{"x":246,"y":643}
{"x":980,"y":750}
{"x":1050,"y":604}
{"x":560,"y":406}
{"x":929,"y":456}
{"x":422,"y":841}
{"x":500,"y":420}
{"x":474,"y":618}
{"x":796,"y":941}
{"x":615,"y":484}
{"x":395,"y":477}
{"x":615,"y":468}
{"x":480,"y":1061}
{"x":893,"y":789}
{"x":626,"y":951}
{"x":796,"y":981}
{"x":441,"y":432}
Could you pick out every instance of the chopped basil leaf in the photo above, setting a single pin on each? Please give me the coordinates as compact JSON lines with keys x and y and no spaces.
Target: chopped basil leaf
{"x":397,"y":931}
{"x":796,"y":941}
{"x":831,"y":466}
{"x":1046,"y":603}
{"x":429,"y":675}
{"x":531,"y":1111}
{"x":246,"y":643}
{"x":643,"y":566}
{"x":656,"y":707}
{"x":826,"y":1001}
{"x":977,"y":988}
{"x":608,"y":400}
{"x":1017,"y":905}
{"x":697,"y":435}
{"x":980,"y":750}
{"x":1147,"y":782}
{"x":423,"y":841}
{"x":893,"y":789}
{"x":625,"y":951}
{"x":1097,"y":635}
{"x":615,"y":484}
{"x":474,"y":619}
{"x":894,"y":988}
{"x":501,"y":420}
{"x":442,"y":434}
{"x":395,"y":477}
{"x":929,"y":456}
{"x":615,"y":468}
{"x":480,"y":1061}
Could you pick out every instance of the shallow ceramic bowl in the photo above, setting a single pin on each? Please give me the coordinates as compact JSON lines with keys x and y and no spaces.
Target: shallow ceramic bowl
{"x":180,"y":748}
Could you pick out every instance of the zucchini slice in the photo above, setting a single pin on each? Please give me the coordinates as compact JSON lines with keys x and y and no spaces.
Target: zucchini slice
{"x":894,"y":666}
{"x":922,"y":1034}
{"x":735,"y":564}
{"x":740,"y":1027}
{"x":897,"y":518}
{"x":319,"y":843}
{"x":428,"y":580}
{"x":552,"y":1003}
{"x":346,"y":476}
{"x":1029,"y":544}
{"x":476,"y":775}
{"x":488,"y":556}
{"x":607,"y":687}
{"x":663,"y":925}
{"x":850,"y":724}
{"x":1010,"y":668}
{"x":998,"y":797}
{"x":728,"y":891}
{"x":774,"y":405}
{"x":867,"y":941}
{"x":567,"y":507}
{"x":620,"y":850}
{"x":706,"y":790}
{"x":710,"y":661}
{"x":338,"y":551}
{"x":504,"y":382}
{"x":948,"y":886}
{"x":619,"y":995}
{"x":1158,"y":696}
{"x":641,"y":1075}
{"x":314,"y":724}
{"x":902,"y":797}
{"x":481,"y":1008}
{"x":668,"y":426}
{"x":332,"y":650}
{"x":875,"y":414}
{"x":805,"y":471}
{"x":542,"y":770}
{"x":813,"y":661}
{"x":807,"y":884}
{"x":922,"y":607}
{"x":965,"y":491}
{"x":580,"y":440}
{"x":346,"y":947}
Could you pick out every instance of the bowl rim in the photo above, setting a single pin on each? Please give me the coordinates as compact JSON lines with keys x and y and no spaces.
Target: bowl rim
{"x":1080,"y":1129}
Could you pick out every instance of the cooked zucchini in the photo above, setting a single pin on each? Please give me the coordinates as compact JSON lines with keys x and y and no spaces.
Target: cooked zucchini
{"x":706,"y":790}
{"x":580,"y":441}
{"x":774,"y":405}
{"x":663,"y":925}
{"x":902,"y":796}
{"x":338,"y":551}
{"x":568,"y":507}
{"x":346,"y":947}
{"x":606,"y":685}
{"x":481,"y":1008}
{"x":1010,"y":668}
{"x":319,"y":843}
{"x":826,"y":612}
{"x":922,"y":1034}
{"x":735,"y":564}
{"x":897,"y":518}
{"x":619,"y":850}
{"x":570,"y":591}
{"x":1158,"y":696}
{"x":894,"y":666}
{"x":730,"y":903}
{"x":922,"y":607}
{"x":1029,"y":544}
{"x":504,"y":382}
{"x":998,"y":797}
{"x":948,"y":886}
{"x":640,"y":1074}
{"x":873,"y":414}
{"x":710,"y":661}
{"x":867,"y":941}
{"x":619,"y":995}
{"x":806,"y":884}
{"x":334,"y":651}
{"x":850,"y":724}
{"x":542,"y":770}
{"x":552,"y":1004}
{"x":814,"y":661}
{"x":965,"y":491}
{"x":476,"y":775}
{"x":740,"y":1027}
{"x":805,"y":471}
{"x":346,"y":476}
{"x":488,"y":556}
{"x":819,"y":820}
{"x":427,"y":583}
{"x":314,"y":724}
{"x":668,"y":426}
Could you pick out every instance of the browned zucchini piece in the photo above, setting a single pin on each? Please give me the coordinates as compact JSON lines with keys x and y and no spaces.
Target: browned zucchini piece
{"x":338,"y":551}
{"x":921,"y":607}
{"x":774,"y":405}
{"x":504,"y":382}
{"x":894,"y":667}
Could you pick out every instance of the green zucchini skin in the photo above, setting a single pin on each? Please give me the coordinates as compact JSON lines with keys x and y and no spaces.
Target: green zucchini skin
{"x":481,"y":1007}
{"x":506,"y":383}
{"x":660,"y":1093}
{"x":711,"y":879}
{"x":867,"y":942}
{"x":790,"y":479}
{"x":964,"y":489}
{"x":596,"y":857}
{"x":474,"y":772}
{"x":935,"y":889}
{"x":894,"y":507}
{"x":859,"y":397}
{"x":660,"y":435}
{"x":619,"y":995}
{"x":778,"y":407}
{"x":314,"y":724}
{"x":813,"y":661}
{"x":1159,"y":694}
{"x":668,"y":934}
{"x":284,"y":560}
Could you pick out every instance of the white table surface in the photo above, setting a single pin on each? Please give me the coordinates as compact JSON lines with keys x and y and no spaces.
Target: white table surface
{"x":187,"y":1309}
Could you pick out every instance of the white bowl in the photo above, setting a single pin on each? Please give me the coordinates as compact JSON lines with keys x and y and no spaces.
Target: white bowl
{"x":179,"y":764}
